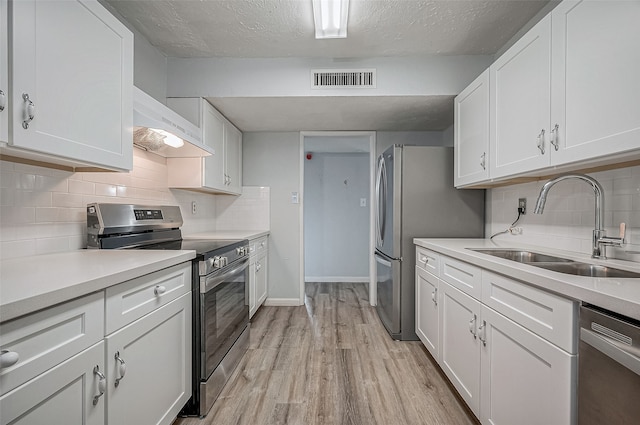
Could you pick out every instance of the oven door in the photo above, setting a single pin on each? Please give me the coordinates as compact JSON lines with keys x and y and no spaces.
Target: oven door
{"x":224,"y":313}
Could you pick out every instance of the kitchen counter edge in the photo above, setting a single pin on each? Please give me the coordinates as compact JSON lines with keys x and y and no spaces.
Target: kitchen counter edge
{"x":618,"y":295}
{"x":33,"y":283}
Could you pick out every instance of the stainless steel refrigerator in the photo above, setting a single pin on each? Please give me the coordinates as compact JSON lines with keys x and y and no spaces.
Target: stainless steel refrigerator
{"x":415,"y":198}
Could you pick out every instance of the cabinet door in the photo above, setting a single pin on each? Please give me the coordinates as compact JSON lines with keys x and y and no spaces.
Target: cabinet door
{"x":213,"y":136}
{"x":460,"y":346}
{"x":471,"y":135}
{"x":62,"y":395}
{"x":520,"y":87}
{"x":525,"y":379}
{"x":261,"y":279}
{"x":596,"y":63}
{"x":427,"y":316}
{"x":4,"y":73}
{"x":156,"y":351}
{"x":74,"y":60}
{"x":233,"y":158}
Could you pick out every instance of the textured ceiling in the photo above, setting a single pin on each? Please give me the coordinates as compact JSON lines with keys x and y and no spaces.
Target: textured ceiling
{"x":284,"y":28}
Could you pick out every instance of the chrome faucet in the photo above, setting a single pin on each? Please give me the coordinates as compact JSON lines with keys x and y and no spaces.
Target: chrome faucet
{"x":600,"y":240}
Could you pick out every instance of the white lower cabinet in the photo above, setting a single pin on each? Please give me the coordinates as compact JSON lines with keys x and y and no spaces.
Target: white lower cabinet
{"x":525,"y":380}
{"x":510,"y":354}
{"x":427,"y":320}
{"x":258,"y":273}
{"x":66,"y":394}
{"x":149,"y":366}
{"x":460,"y":349}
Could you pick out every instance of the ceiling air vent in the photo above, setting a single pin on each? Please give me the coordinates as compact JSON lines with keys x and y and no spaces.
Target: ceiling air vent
{"x":343,"y":78}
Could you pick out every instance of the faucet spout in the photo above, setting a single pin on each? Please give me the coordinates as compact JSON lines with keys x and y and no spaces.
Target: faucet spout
{"x":598,"y":232}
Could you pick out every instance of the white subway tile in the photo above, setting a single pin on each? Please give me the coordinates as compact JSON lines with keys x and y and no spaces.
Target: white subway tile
{"x":67,"y":200}
{"x":81,"y":187}
{"x":102,"y":189}
{"x":51,"y":184}
{"x":17,"y":249}
{"x":50,"y":245}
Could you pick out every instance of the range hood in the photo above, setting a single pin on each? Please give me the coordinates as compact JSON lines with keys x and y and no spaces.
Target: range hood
{"x":160,"y":130}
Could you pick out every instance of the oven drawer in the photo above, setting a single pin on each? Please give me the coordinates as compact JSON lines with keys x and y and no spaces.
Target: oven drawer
{"x":133,"y":299}
{"x":44,"y":339}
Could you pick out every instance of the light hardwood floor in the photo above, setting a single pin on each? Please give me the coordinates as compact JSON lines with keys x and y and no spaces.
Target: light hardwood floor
{"x":331,"y":362}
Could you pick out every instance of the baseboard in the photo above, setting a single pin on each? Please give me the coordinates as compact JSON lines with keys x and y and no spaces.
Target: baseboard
{"x":282,"y":302}
{"x":346,"y":279}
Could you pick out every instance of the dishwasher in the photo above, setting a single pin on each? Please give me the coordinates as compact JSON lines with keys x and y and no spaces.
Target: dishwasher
{"x":608,"y":368}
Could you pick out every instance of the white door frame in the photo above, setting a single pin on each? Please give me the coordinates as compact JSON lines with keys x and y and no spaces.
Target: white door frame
{"x":372,"y":174}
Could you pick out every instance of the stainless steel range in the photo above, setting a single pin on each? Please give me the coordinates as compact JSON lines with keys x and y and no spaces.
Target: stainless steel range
{"x":220,"y":287}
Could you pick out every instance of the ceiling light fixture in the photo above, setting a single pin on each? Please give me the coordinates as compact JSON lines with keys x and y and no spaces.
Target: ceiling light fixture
{"x":169,"y":139}
{"x":330,"y":18}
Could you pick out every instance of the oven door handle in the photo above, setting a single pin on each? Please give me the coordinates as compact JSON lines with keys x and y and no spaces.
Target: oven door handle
{"x":216,"y":279}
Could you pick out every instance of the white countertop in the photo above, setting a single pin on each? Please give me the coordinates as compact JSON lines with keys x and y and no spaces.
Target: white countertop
{"x":32,"y":283}
{"x":228,"y":234}
{"x":618,"y":295}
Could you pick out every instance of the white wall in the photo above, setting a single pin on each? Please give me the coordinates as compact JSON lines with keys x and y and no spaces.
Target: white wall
{"x":273,"y":159}
{"x":568,"y":219}
{"x":336,"y":226}
{"x":384,"y":139}
{"x":234,"y":77}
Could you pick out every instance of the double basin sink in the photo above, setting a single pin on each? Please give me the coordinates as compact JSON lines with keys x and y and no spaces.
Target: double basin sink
{"x":558,"y":264}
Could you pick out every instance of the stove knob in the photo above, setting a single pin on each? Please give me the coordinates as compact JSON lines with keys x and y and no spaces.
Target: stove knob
{"x":217,"y":263}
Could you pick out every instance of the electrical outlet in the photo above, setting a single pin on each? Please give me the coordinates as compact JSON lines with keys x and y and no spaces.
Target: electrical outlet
{"x":363,"y":202}
{"x":193,"y":207}
{"x":522,"y":205}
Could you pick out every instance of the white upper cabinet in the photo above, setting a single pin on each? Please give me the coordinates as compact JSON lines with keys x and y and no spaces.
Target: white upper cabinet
{"x":72,"y":84}
{"x":217,"y":173}
{"x":471,"y":133}
{"x":520,"y":82}
{"x":596,"y":88}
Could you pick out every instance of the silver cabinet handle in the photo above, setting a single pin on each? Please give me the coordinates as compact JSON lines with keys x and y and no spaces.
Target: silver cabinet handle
{"x":8,"y":358}
{"x":102,"y":384}
{"x":3,"y":100}
{"x":554,"y":137}
{"x":424,"y":260}
{"x":434,"y":296}
{"x":258,"y":267}
{"x":122,"y":368}
{"x":472,"y":327}
{"x":159,"y":290}
{"x":483,"y":160}
{"x":541,"y":141}
{"x":29,"y":111}
{"x":482,"y":333}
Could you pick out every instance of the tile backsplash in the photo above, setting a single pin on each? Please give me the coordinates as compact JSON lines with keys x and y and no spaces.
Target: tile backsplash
{"x":42,"y":210}
{"x":569,"y":215}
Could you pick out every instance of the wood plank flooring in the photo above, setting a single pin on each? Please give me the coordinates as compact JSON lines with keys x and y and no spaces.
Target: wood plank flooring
{"x":331,"y":362}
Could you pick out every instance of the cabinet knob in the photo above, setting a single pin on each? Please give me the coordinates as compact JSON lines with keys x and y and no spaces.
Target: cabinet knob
{"x":159,"y":290}
{"x":122,"y":368}
{"x":541,"y":141}
{"x":29,"y":111}
{"x":8,"y":358}
{"x":3,"y":100}
{"x":554,"y":137}
{"x":102,"y":384}
{"x":483,"y":160}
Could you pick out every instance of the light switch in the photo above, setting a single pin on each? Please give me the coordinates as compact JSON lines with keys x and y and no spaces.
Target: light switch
{"x":294,"y":198}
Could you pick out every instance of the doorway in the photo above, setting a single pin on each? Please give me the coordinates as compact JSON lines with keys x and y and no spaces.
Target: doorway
{"x":337,"y":174}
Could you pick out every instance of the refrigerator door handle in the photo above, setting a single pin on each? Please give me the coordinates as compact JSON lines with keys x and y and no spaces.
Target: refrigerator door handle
{"x":381,"y":194}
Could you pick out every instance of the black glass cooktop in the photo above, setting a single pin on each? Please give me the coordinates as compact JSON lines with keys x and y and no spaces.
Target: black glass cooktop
{"x":203,"y":247}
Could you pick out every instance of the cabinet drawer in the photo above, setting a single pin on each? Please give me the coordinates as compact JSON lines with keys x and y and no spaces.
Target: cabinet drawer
{"x":133,"y":299}
{"x":427,"y":260}
{"x":461,"y":275}
{"x":545,"y":314}
{"x":47,"y":338}
{"x":258,"y":245}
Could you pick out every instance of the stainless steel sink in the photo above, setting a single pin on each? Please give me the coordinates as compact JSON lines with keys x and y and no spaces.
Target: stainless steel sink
{"x":558,"y":264}
{"x":523,"y":256}
{"x":585,"y":269}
